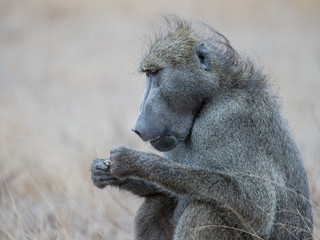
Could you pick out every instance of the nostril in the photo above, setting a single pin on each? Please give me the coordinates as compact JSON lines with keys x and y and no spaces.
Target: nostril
{"x":137,"y":132}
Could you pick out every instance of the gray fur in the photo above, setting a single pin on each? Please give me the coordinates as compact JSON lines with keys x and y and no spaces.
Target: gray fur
{"x":230,"y":168}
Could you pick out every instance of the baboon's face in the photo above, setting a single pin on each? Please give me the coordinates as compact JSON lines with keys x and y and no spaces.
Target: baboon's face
{"x":172,"y":99}
{"x":165,"y":117}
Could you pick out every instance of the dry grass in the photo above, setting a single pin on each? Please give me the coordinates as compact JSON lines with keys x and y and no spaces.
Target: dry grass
{"x":66,"y":80}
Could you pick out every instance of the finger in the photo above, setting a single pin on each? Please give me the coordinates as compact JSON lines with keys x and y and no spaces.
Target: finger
{"x":101,"y":173}
{"x":102,"y":167}
{"x":104,"y":178}
{"x":99,"y":165}
{"x":110,"y":181}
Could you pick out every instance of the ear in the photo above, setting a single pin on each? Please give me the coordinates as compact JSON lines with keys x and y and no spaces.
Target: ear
{"x":203,"y":55}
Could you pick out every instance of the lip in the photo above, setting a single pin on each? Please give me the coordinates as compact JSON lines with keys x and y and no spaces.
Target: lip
{"x":155,"y":139}
{"x":164,"y":143}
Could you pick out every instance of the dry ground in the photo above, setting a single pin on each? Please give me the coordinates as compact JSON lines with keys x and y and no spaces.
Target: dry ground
{"x":69,"y":92}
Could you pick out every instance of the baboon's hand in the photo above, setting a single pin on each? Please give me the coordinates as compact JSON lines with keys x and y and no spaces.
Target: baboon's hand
{"x":101,"y":175}
{"x":123,"y":161}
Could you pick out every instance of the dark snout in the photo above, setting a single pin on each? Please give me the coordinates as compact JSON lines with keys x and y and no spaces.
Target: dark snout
{"x":157,"y":137}
{"x":144,"y":130}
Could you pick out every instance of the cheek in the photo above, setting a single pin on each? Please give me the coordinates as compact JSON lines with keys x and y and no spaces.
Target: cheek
{"x":181,"y":99}
{"x":179,"y":123}
{"x":173,"y":93}
{"x":182,"y":93}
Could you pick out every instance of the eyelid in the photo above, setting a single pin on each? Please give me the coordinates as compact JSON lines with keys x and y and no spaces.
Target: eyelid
{"x":152,"y":71}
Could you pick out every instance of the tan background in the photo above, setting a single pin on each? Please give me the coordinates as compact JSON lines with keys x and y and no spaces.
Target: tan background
{"x":69,"y":91}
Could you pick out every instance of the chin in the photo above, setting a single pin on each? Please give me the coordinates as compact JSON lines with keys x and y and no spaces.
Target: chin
{"x":165,"y":143}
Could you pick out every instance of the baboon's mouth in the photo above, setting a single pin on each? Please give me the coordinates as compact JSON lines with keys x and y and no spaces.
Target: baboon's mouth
{"x":155,"y":139}
{"x":164,"y":143}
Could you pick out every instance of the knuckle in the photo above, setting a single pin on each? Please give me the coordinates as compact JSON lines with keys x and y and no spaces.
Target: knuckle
{"x":100,"y":186}
{"x":113,"y":172}
{"x":118,"y":149}
{"x":96,"y":161}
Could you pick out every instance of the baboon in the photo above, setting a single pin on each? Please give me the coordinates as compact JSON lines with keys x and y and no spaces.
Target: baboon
{"x":230,"y":168}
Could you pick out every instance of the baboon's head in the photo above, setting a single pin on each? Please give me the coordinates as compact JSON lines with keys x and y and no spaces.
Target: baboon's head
{"x":181,"y":77}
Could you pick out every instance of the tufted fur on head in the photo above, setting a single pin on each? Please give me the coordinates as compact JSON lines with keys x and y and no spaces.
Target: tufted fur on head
{"x":175,"y":41}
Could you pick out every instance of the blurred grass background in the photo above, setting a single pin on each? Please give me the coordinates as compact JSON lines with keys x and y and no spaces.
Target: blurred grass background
{"x":69,"y":91}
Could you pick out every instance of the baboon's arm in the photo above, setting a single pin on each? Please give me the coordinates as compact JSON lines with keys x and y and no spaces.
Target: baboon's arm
{"x":141,"y":187}
{"x":201,"y":184}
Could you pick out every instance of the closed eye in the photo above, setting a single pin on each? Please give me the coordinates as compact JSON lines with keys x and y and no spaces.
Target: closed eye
{"x":150,"y":72}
